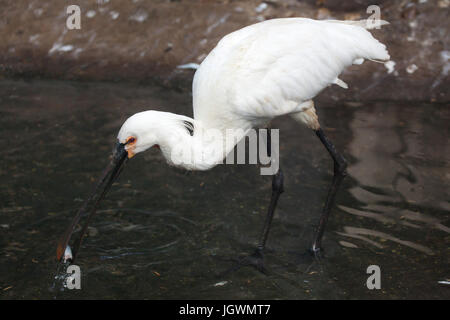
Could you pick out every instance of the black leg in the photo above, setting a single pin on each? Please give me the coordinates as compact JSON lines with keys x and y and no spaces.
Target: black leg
{"x":277,"y":190}
{"x":340,"y":164}
{"x":257,"y":258}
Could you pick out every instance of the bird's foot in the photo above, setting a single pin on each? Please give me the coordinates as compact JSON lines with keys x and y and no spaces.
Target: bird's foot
{"x":255,"y":260}
{"x":316,"y":252}
{"x":307,"y":260}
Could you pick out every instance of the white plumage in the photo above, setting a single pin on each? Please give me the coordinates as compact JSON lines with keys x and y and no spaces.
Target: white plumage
{"x":257,"y":73}
{"x":268,"y":69}
{"x":262,"y":71}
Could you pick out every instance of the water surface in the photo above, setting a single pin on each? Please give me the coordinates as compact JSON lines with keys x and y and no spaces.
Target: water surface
{"x":168,"y":234}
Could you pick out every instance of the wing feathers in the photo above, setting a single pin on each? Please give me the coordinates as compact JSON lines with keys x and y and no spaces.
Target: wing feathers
{"x":269,"y":68}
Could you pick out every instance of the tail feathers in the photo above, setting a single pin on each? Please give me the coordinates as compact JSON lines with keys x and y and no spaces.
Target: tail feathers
{"x":378,"y":53}
{"x":366,"y":46}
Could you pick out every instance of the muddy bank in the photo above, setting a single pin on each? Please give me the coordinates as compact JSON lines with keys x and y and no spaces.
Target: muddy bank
{"x":145,"y":40}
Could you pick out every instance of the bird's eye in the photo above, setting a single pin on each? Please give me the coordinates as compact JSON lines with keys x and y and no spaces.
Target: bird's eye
{"x":131,"y":140}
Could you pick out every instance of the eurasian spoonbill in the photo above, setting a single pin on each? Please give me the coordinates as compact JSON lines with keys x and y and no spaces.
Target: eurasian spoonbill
{"x":253,"y":75}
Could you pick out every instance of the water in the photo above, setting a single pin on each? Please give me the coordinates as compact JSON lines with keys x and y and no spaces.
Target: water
{"x":168,"y":234}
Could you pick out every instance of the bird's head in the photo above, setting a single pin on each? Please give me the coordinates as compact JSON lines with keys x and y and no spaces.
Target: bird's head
{"x":140,"y":132}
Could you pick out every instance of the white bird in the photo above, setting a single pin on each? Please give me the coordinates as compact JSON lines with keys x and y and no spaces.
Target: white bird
{"x":253,"y":75}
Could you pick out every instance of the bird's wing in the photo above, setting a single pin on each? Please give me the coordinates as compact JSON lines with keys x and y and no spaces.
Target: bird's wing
{"x":269,"y":68}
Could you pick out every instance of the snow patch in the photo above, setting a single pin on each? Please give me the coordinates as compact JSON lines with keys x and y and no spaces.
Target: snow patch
{"x":189,"y":66}
{"x":390,"y":66}
{"x":261,"y":7}
{"x":412,"y":68}
{"x":91,"y":14}
{"x":140,"y":16}
{"x":114,"y":15}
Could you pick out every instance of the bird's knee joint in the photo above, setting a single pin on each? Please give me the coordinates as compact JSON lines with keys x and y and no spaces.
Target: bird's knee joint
{"x":309,"y":118}
{"x":278,"y":182}
{"x":340,"y":167}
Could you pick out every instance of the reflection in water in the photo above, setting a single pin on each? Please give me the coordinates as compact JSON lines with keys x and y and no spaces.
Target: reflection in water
{"x":162,"y":233}
{"x":396,"y":168}
{"x":358,"y":231}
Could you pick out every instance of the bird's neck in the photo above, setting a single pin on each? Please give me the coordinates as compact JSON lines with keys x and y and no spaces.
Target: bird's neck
{"x":198,"y":147}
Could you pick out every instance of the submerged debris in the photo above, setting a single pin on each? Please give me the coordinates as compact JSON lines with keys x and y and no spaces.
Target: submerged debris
{"x":220,"y":284}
